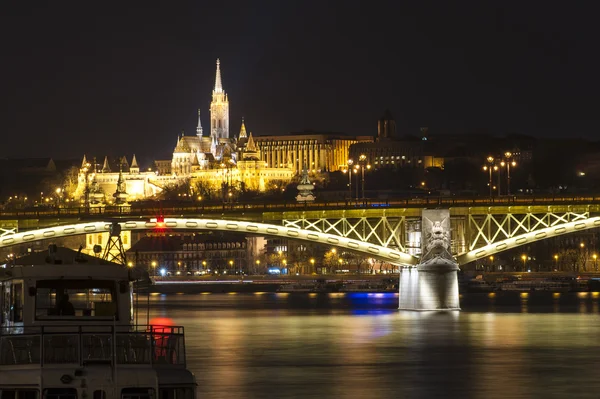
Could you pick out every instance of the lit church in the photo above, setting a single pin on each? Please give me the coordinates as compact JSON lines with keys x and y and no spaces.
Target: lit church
{"x":216,"y":159}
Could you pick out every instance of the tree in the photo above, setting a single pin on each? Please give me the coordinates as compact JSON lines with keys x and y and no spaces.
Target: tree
{"x":330,"y":261}
{"x":176,"y":191}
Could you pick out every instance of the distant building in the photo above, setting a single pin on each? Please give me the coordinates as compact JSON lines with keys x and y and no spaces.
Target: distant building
{"x":393,"y":151}
{"x":194,"y":253}
{"x":317,"y":152}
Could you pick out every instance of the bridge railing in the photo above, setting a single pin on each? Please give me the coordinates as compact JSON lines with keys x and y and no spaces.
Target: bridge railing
{"x":174,"y":208}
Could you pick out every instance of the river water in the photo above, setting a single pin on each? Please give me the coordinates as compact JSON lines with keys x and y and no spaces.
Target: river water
{"x":304,"y":345}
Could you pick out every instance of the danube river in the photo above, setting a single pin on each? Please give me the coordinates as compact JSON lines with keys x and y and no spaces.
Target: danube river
{"x":305,"y":345}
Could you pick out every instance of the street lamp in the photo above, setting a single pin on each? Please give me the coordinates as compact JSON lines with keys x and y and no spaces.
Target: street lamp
{"x":595,"y":261}
{"x":349,"y":170}
{"x":555,"y":262}
{"x":230,"y":264}
{"x":489,"y":166}
{"x":508,"y":155}
{"x":362,"y":159}
{"x":356,"y":168}
{"x":524,"y":259}
{"x":153,"y":268}
{"x":257,"y":265}
{"x":312,"y":263}
{"x":86,"y":187}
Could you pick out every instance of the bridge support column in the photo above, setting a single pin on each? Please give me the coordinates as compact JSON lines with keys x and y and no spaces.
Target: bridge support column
{"x":433,"y":284}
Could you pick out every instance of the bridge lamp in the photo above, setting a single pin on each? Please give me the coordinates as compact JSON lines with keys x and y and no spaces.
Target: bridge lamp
{"x":508,"y":155}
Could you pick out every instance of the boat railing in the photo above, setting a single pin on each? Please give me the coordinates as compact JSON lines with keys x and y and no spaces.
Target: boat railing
{"x":157,"y":346}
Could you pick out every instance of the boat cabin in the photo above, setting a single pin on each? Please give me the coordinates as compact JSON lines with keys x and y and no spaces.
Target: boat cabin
{"x":67,"y":332}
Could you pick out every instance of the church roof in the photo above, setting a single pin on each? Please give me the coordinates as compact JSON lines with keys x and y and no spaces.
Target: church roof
{"x":188,"y":144}
{"x":243,"y":130}
{"x":134,"y":163}
{"x":250,"y":145}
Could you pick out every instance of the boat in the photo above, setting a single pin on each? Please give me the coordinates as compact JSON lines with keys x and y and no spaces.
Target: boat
{"x":68,"y":332}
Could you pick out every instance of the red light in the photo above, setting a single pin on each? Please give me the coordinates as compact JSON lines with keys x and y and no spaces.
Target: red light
{"x":160,"y":222}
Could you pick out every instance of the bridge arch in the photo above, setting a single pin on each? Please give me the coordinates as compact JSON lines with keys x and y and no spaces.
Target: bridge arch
{"x":372,"y":250}
{"x":528,"y":238}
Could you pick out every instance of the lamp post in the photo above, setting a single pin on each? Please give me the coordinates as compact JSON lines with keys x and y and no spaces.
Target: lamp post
{"x":312,"y":263}
{"x":508,"y":155}
{"x":356,"y":168}
{"x":524,"y":259}
{"x":362,"y":159}
{"x":350,"y":163}
{"x":153,"y":268}
{"x":595,"y":257}
{"x":555,"y":262}
{"x":86,"y":187}
{"x":489,"y":167}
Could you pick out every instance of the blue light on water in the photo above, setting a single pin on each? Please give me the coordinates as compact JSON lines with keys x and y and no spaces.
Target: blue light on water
{"x":373,"y":299}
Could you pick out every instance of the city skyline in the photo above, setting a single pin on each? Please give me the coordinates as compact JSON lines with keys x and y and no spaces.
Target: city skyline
{"x":129,"y":83}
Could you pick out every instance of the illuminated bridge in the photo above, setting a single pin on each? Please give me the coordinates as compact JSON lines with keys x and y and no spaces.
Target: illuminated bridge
{"x":387,"y":230}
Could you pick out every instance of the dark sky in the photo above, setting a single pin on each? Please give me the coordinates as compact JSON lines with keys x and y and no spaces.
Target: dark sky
{"x":125,"y":79}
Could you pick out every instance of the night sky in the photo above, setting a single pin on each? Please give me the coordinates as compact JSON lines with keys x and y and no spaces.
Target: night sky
{"x":126,"y":79}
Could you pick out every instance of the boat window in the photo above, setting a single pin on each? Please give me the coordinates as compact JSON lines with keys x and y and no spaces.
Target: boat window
{"x":137,"y":393}
{"x":12,"y":307}
{"x":60,"y":393}
{"x":79,"y":298}
{"x":176,"y":393}
{"x":19,"y":393}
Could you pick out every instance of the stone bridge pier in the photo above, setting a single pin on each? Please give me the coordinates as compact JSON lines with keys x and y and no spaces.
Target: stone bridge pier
{"x":433,"y":284}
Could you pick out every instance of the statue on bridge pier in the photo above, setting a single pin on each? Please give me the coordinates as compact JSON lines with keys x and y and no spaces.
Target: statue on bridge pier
{"x":433,"y":284}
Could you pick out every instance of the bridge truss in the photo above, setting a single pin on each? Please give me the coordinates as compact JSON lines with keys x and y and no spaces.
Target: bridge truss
{"x":387,"y":228}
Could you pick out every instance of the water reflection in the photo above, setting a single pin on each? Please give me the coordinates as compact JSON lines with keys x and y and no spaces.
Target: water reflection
{"x":358,"y":346}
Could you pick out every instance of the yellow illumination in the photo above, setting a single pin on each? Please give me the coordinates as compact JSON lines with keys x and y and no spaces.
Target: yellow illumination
{"x":524,"y":295}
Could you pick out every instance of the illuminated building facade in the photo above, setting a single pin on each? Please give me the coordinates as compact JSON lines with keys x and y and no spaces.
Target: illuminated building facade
{"x":317,"y":152}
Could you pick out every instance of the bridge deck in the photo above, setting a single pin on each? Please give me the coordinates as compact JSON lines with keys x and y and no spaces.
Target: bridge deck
{"x":182,"y":208}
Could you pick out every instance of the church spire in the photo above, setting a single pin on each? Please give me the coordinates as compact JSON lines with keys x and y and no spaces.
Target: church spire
{"x":199,"y":127}
{"x":243,"y":130}
{"x":250,"y":146}
{"x":105,"y":166}
{"x":218,"y":84}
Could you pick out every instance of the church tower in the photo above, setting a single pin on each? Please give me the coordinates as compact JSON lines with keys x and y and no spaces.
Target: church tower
{"x":219,"y":109}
